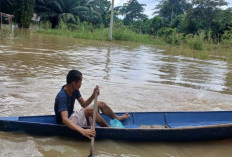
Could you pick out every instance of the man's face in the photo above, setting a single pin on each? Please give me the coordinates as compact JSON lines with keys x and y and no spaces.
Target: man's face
{"x":77,"y":85}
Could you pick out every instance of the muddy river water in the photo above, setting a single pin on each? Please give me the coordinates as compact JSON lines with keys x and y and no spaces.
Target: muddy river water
{"x":132,"y":77}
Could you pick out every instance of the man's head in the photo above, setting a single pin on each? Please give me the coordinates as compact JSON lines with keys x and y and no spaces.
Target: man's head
{"x":74,"y":77}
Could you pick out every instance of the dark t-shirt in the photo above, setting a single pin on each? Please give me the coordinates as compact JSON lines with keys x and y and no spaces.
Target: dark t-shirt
{"x":64,"y":102}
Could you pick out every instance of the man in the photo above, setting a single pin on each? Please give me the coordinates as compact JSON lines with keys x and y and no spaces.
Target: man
{"x":64,"y":105}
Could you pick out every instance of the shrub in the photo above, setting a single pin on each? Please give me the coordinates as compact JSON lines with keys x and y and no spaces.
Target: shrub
{"x":195,"y":42}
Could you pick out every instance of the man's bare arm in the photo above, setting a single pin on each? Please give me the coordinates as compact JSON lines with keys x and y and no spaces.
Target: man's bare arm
{"x":91,"y":98}
{"x":87,"y":102}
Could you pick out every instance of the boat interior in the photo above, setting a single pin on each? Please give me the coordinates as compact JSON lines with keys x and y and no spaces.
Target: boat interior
{"x":175,"y":119}
{"x":148,"y":120}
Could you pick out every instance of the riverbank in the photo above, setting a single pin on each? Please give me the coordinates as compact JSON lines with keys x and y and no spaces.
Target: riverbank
{"x":192,"y":46}
{"x":119,"y":33}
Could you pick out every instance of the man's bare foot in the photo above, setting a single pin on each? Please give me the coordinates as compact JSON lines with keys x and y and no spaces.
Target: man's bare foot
{"x":123,"y":117}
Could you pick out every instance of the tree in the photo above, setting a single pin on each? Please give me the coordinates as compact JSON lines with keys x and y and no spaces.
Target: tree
{"x":221,"y":24}
{"x":54,"y":10}
{"x":177,"y":22}
{"x":132,"y":11}
{"x":156,"y":24}
{"x":102,"y":7}
{"x":169,"y":9}
{"x":24,"y":10}
{"x":7,"y":6}
{"x":201,"y":16}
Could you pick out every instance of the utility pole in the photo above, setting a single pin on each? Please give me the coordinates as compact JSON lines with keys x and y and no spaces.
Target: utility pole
{"x":1,"y":20}
{"x":111,"y":20}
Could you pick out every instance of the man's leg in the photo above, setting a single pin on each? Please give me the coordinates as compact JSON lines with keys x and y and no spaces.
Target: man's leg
{"x":99,"y":120}
{"x":105,"y":109}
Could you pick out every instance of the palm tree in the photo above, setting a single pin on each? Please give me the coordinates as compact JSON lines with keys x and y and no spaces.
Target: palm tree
{"x":55,"y":10}
{"x":7,"y":6}
{"x":101,"y":8}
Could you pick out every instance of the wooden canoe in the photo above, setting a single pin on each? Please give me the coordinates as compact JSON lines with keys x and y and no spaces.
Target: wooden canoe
{"x":140,"y":126}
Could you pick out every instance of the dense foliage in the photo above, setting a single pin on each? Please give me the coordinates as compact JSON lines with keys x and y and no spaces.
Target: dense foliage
{"x":7,"y":6}
{"x":169,"y":9}
{"x":23,"y":12}
{"x":22,"y":9}
{"x":174,"y":21}
{"x":133,"y":11}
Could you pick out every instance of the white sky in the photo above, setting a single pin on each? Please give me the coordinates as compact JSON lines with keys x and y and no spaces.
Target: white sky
{"x":150,"y":5}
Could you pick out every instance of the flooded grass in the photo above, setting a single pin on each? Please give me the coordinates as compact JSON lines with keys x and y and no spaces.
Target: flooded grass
{"x":103,"y":34}
{"x":193,"y":46}
{"x":218,"y":54}
{"x":5,"y":33}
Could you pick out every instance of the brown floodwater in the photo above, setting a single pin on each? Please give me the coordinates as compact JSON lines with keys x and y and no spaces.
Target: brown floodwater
{"x":132,"y":77}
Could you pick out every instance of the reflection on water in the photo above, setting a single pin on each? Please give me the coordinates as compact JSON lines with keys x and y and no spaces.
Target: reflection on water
{"x":132,"y":77}
{"x":26,"y":146}
{"x":39,"y":56}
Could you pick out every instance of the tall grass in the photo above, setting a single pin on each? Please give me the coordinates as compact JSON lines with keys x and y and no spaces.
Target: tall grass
{"x":87,"y":31}
{"x":195,"y":42}
{"x":5,"y":32}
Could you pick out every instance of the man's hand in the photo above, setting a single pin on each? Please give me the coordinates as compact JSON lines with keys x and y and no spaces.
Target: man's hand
{"x":88,"y":133}
{"x":85,"y":132}
{"x":96,"y":89}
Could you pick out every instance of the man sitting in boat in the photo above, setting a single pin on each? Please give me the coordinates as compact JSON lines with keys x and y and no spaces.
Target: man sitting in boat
{"x":64,"y":105}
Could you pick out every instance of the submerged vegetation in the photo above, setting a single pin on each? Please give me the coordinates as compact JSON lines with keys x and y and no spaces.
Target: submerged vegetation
{"x":205,"y":47}
{"x":196,"y":25}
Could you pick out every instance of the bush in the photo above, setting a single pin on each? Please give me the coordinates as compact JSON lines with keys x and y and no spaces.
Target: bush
{"x":195,"y":42}
{"x":62,"y":26}
{"x":171,"y":36}
{"x":45,"y":25}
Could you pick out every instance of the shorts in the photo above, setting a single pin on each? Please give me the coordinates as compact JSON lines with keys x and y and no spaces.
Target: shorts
{"x":78,"y":117}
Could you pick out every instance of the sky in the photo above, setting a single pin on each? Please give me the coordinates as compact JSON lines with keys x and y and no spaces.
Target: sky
{"x":150,"y":5}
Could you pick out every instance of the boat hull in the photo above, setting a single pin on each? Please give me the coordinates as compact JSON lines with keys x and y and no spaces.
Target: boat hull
{"x":201,"y":126}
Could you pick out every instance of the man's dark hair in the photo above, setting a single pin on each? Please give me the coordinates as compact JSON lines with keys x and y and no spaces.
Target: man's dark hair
{"x":73,"y":75}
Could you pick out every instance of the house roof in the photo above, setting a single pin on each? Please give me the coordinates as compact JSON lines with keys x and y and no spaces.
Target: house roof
{"x":6,"y":15}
